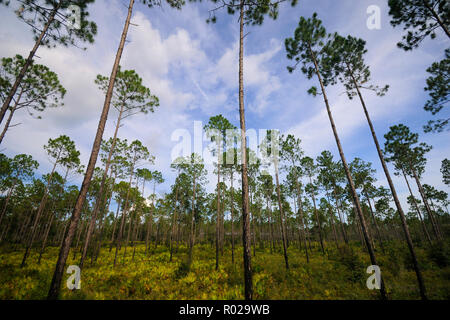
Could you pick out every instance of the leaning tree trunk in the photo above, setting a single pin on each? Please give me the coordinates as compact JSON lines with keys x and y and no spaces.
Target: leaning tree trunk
{"x":28,"y":63}
{"x":8,"y":197}
{"x":98,"y":201}
{"x":374,"y":221}
{"x":344,"y":234}
{"x":64,"y":252}
{"x":427,"y":206}
{"x":11,"y":113}
{"x":248,"y":283}
{"x":437,"y":18}
{"x":393,"y":191}
{"x":349,"y":177}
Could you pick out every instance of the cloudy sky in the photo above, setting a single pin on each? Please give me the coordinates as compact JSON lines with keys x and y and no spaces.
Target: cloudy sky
{"x":192,"y":67}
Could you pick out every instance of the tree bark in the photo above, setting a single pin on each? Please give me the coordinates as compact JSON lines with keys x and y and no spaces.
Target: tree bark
{"x":436,"y":16}
{"x":317,"y":216}
{"x":98,"y":201}
{"x":427,"y":206}
{"x":349,"y":177}
{"x":38,"y":215}
{"x":248,"y":283}
{"x":60,"y":264}
{"x":283,"y":227}
{"x":393,"y":191}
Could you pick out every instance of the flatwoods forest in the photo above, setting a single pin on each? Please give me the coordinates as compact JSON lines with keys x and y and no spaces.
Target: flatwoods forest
{"x":322,"y":170}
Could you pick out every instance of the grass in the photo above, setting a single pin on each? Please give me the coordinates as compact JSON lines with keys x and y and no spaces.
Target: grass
{"x":337,"y":275}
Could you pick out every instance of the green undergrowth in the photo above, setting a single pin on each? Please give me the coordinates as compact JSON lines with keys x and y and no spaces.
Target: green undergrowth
{"x":339,"y":274}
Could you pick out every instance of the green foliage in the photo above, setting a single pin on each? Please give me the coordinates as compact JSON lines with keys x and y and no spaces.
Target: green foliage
{"x":349,"y":258}
{"x":306,"y":46}
{"x":438,"y":86}
{"x":419,"y":19}
{"x":439,"y":253}
{"x":153,"y":277}
{"x":36,"y":13}
{"x":445,"y":170}
{"x":402,"y":147}
{"x":63,"y":151}
{"x":130,"y":95}
{"x":253,"y":11}
{"x":344,"y":60}
{"x":40,"y":88}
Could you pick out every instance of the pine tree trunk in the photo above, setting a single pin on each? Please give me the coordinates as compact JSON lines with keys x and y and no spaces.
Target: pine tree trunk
{"x":349,"y":177}
{"x":394,"y":193}
{"x":283,"y":227}
{"x":218,"y":206}
{"x":11,"y":113}
{"x":302,"y":223}
{"x":192,"y":230}
{"x":374,"y":221}
{"x":232,"y":217}
{"x":59,"y":269}
{"x":248,"y":282}
{"x":174,"y":222}
{"x":316,"y":214}
{"x":427,"y":206}
{"x":8,"y":197}
{"x":98,"y":201}
{"x":114,"y":225}
{"x":437,"y":18}
{"x":38,"y":215}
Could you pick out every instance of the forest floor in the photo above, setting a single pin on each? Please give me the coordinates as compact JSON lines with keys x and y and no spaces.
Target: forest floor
{"x":335,"y":275}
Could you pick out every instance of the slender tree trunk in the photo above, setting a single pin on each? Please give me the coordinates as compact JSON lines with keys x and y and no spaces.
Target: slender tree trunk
{"x":124,"y":214}
{"x":394,"y":193}
{"x":218,"y":206}
{"x":316,"y":214}
{"x":38,"y":215}
{"x":349,"y":177}
{"x":60,"y":264}
{"x":248,"y":282}
{"x":45,"y":237}
{"x":334,"y":229}
{"x":374,"y":221}
{"x":283,"y":227}
{"x":103,"y":217}
{"x":114,"y":225}
{"x":174,"y":222}
{"x":427,"y":206}
{"x":232,"y":218}
{"x":98,"y":201}
{"x":344,"y":234}
{"x":8,"y":197}
{"x":192,"y":231}
{"x":11,"y":113}
{"x":302,"y":224}
{"x":272,"y":240}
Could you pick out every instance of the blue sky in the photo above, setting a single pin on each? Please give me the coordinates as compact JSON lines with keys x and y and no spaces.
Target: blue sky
{"x":192,"y":67}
